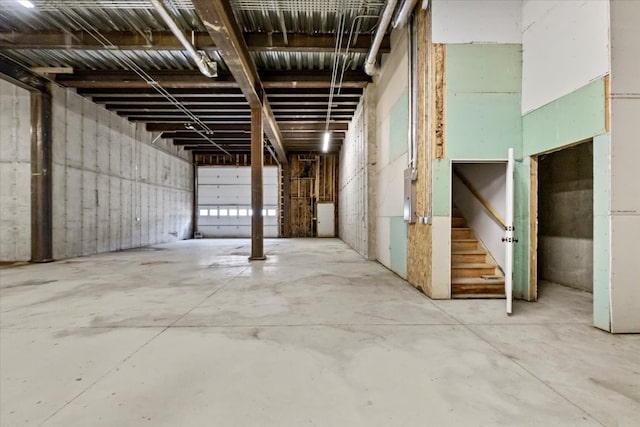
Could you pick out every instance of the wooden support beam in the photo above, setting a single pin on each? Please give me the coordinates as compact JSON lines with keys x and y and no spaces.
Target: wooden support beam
{"x":129,"y":80}
{"x":285,"y":127}
{"x":150,"y":93}
{"x":181,"y":126}
{"x":165,"y":40}
{"x":293,"y":92}
{"x":209,"y":120}
{"x":186,"y":135}
{"x":346,"y":94}
{"x":257,"y":159}
{"x":313,"y":126}
{"x":225,"y":143}
{"x":201,"y":108}
{"x":232,"y":103}
{"x":105,"y":79}
{"x":221,"y":24}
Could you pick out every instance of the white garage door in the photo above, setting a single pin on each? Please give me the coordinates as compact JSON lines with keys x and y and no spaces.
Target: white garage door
{"x":224,"y":201}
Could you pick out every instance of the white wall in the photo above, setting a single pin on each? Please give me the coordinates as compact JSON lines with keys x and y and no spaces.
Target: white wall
{"x":352,"y":188}
{"x":482,"y":21}
{"x":625,"y":150}
{"x":391,"y":84}
{"x":15,"y":173}
{"x":113,"y":189}
{"x":565,"y":46}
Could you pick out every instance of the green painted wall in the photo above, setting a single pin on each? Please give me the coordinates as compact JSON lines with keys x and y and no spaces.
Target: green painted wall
{"x":399,"y":127}
{"x":567,"y":120}
{"x":572,"y":118}
{"x":483,"y":85}
{"x":398,"y":142}
{"x":601,"y":232}
{"x":482,"y":113}
{"x":398,"y":230}
{"x":483,"y":119}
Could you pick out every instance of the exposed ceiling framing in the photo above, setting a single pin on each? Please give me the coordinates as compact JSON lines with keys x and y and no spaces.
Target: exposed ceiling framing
{"x":274,"y":53}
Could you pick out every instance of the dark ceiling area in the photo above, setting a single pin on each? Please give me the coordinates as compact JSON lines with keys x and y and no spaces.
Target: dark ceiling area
{"x":302,"y":59}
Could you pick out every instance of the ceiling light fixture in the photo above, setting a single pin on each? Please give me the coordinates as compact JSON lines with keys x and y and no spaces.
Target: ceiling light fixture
{"x":325,"y":143}
{"x":26,"y":3}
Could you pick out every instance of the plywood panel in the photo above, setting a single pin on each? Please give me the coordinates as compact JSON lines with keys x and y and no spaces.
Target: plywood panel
{"x":439,"y":93}
{"x":313,"y":178}
{"x":419,"y":240}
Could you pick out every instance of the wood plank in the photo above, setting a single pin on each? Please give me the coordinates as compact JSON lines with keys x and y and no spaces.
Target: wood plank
{"x":220,"y":22}
{"x":533,"y":229}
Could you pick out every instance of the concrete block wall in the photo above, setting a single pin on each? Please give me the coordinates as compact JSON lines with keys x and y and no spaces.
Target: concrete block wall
{"x":15,"y":173}
{"x":113,"y":189}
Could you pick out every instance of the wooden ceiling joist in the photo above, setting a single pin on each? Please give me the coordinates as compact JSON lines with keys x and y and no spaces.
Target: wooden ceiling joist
{"x":285,"y":127}
{"x":149,"y":92}
{"x":195,"y":80}
{"x":352,"y":94}
{"x":165,"y":40}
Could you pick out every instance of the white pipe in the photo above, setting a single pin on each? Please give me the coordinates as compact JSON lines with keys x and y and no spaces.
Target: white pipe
{"x":205,"y":65}
{"x":405,"y":11}
{"x":387,"y":14}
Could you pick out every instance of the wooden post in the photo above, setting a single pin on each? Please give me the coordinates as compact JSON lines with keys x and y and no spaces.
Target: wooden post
{"x":257,"y":221}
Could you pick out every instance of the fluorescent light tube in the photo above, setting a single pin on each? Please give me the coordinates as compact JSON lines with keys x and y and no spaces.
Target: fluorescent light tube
{"x":325,"y":143}
{"x":26,"y":3}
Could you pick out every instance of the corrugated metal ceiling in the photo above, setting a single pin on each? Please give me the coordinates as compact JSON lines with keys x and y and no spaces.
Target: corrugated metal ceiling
{"x":278,"y":16}
{"x":289,"y":39}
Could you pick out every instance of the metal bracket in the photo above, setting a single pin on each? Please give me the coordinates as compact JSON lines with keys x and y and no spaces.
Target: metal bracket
{"x":510,"y":240}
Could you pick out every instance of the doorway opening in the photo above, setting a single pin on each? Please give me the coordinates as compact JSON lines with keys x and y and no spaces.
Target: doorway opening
{"x":565,"y":221}
{"x":313,"y":193}
{"x":478,"y":258}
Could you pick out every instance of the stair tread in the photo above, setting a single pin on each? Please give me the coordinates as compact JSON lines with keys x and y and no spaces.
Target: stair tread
{"x":473,"y":265}
{"x":478,"y":296}
{"x":468,"y":252}
{"x":464,"y":240}
{"x":476,"y":280}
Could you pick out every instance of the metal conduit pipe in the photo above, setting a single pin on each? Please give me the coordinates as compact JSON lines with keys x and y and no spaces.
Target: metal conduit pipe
{"x":405,"y":11}
{"x":387,"y":14}
{"x":205,"y":65}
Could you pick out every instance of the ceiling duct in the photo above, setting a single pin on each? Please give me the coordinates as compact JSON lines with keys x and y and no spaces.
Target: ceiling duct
{"x":385,"y":19}
{"x":206,"y":66}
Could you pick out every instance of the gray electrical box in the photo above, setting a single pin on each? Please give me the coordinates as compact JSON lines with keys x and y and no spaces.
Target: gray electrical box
{"x":409,"y":196}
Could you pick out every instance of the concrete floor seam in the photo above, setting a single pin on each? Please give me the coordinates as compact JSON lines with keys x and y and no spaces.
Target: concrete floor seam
{"x":123,"y":361}
{"x":296,"y":325}
{"x":546,"y":384}
{"x":92,"y":384}
{"x":499,"y":350}
{"x":207,"y":297}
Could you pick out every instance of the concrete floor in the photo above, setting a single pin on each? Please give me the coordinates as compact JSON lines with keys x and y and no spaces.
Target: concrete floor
{"x":192,"y":334}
